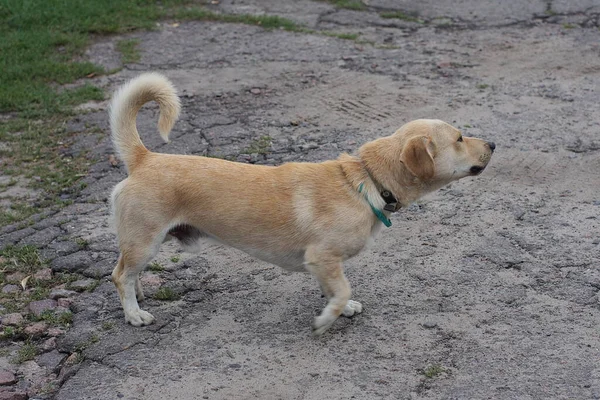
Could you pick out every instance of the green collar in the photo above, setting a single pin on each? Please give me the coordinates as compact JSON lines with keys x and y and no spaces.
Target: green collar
{"x":378,"y":213}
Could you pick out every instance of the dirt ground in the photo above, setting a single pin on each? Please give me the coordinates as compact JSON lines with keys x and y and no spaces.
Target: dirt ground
{"x":486,"y":289}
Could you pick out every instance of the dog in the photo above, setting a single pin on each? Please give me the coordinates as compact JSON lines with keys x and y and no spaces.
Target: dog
{"x":301,"y":216}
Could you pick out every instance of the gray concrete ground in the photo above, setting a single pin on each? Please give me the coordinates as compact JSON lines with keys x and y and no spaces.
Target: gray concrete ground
{"x":486,"y":289}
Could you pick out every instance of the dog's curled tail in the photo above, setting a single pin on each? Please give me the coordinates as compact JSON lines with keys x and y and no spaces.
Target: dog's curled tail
{"x":126,"y":104}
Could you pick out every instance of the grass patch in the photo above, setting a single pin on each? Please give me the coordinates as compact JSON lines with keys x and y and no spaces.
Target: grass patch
{"x":27,"y":352}
{"x":569,"y":26}
{"x":36,"y":151}
{"x":264,"y":21}
{"x":348,"y":4}
{"x":433,"y":371}
{"x":9,"y":332}
{"x":129,"y":50}
{"x":41,"y":39}
{"x":64,"y":319}
{"x":175,"y":259}
{"x":401,"y":15}
{"x":24,"y":259}
{"x":82,"y":243}
{"x":165,"y":293}
{"x":261,"y":145}
{"x":483,"y":86}
{"x":108,"y":325}
{"x":345,"y":36}
{"x":156,"y":267}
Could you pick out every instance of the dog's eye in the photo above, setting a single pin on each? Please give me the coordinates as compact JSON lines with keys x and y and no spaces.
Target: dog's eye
{"x":460,"y":139}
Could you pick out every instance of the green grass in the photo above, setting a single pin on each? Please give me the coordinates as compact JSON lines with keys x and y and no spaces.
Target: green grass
{"x":175,"y":259}
{"x":261,"y":145}
{"x":264,"y":21}
{"x":156,"y":267}
{"x":64,"y":319}
{"x":483,"y":86}
{"x":348,"y":4}
{"x":82,"y":243}
{"x":401,"y":15}
{"x":24,"y":259}
{"x":433,"y":371}
{"x":129,"y":51}
{"x":42,"y":40}
{"x":165,"y":293}
{"x":345,"y":36}
{"x":27,"y":352}
{"x":35,"y":151}
{"x":108,"y":325}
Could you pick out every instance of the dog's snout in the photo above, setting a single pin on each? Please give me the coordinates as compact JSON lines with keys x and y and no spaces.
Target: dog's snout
{"x":492,"y":146}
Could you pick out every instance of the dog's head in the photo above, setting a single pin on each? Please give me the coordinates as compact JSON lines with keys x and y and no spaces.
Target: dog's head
{"x":433,"y":150}
{"x":430,"y":151}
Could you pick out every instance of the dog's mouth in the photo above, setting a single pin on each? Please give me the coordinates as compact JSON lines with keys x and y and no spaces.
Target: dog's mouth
{"x":476,"y":170}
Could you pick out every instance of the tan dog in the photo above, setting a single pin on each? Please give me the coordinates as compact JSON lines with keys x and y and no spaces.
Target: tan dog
{"x":300,"y":216}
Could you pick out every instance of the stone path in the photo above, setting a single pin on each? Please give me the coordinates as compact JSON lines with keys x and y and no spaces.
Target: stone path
{"x":487,"y":289}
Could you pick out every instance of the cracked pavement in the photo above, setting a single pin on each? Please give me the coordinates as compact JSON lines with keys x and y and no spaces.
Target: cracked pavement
{"x":495,"y":280}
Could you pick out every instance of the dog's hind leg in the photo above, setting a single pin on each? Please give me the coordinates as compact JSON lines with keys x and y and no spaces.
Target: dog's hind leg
{"x":329,"y":272}
{"x":135,"y":254}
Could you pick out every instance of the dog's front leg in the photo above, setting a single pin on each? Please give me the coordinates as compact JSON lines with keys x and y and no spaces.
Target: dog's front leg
{"x":329,"y":272}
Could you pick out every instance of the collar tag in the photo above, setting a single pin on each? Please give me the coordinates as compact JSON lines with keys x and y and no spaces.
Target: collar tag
{"x":390,"y":201}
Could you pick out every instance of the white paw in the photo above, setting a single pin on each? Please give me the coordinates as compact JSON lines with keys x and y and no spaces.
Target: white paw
{"x":139,"y":317}
{"x":352,"y":307}
{"x":321,"y":324}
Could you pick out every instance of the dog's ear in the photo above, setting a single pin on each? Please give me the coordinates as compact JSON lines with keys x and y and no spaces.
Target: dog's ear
{"x":417,"y":156}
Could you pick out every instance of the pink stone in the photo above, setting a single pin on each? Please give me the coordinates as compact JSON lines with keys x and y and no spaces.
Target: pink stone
{"x":10,"y":289}
{"x":65,"y":302}
{"x":43,"y":274}
{"x":6,"y":394}
{"x":55,"y":332}
{"x":72,"y":360}
{"x":38,"y":307}
{"x":151,"y":280}
{"x":36,"y":329}
{"x":49,"y":344}
{"x":14,"y":319}
{"x":7,"y":377}
{"x":14,"y":277}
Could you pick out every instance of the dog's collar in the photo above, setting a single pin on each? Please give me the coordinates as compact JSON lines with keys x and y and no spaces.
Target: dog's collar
{"x":390,"y":205}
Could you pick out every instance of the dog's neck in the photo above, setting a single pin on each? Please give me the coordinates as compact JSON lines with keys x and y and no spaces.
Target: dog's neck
{"x":359,"y":177}
{"x":404,"y":186}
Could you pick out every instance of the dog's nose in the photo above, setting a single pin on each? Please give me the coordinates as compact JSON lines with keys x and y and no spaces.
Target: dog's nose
{"x":492,"y":146}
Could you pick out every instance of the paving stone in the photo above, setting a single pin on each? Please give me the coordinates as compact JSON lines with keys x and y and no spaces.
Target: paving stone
{"x":36,"y":329}
{"x":65,"y":302}
{"x":51,"y":360}
{"x":44,"y":274}
{"x":11,"y":289}
{"x":14,"y":319}
{"x":41,"y":238}
{"x":63,"y":248}
{"x":56,"y":294}
{"x":82,"y":284}
{"x":14,"y":277}
{"x":38,"y":307}
{"x":49,"y":344}
{"x":54,"y":332}
{"x":72,"y":262}
{"x":12,"y":394}
{"x":15,"y":237}
{"x":7,"y":377}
